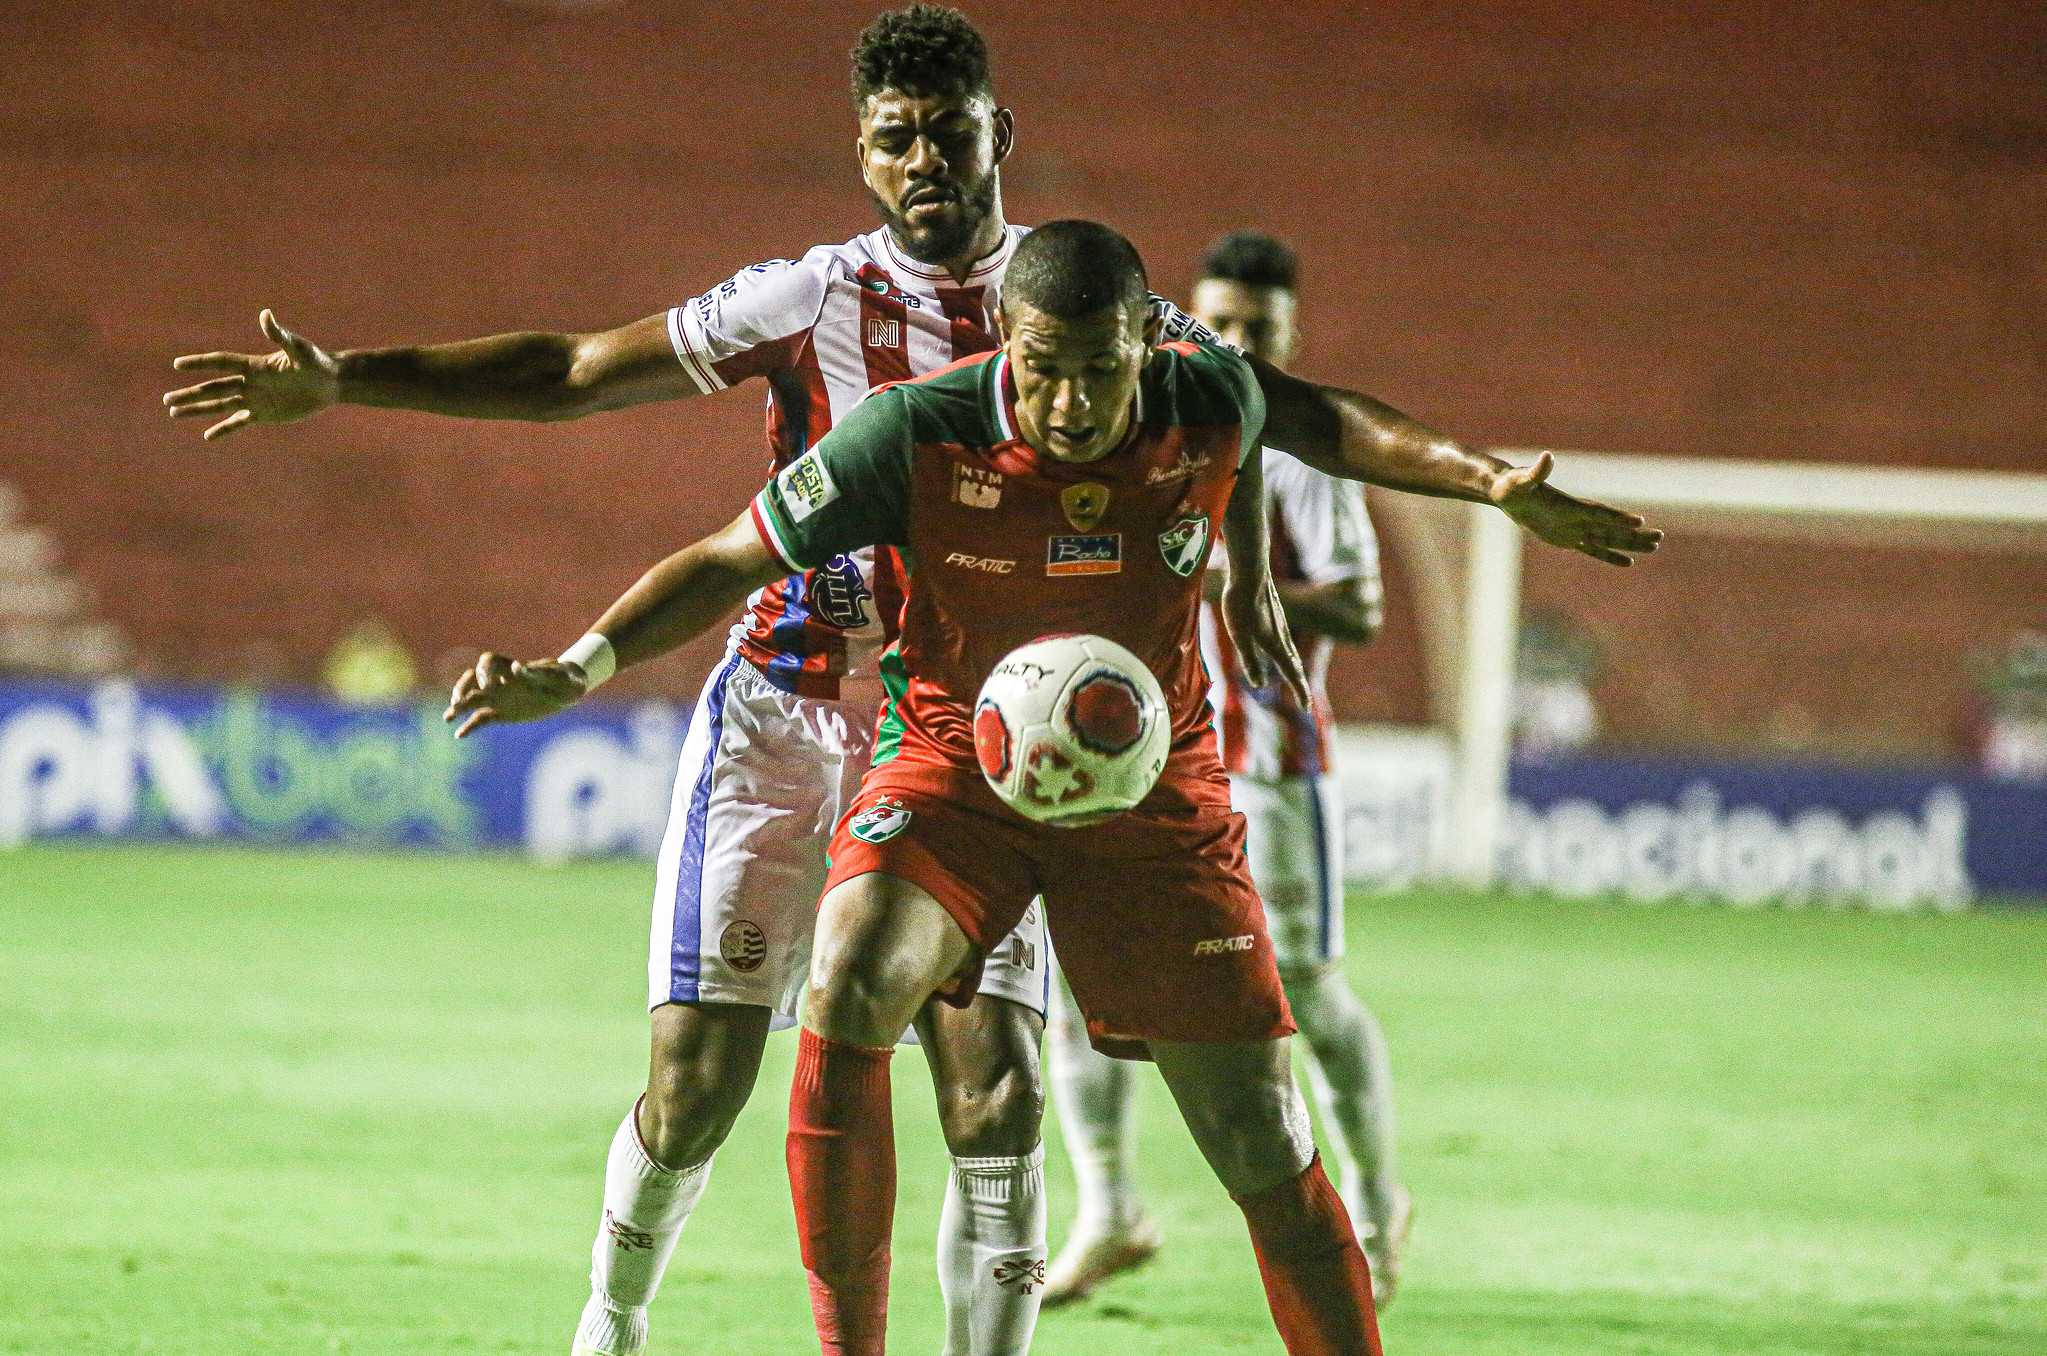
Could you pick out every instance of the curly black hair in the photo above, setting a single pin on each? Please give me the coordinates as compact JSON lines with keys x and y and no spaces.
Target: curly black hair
{"x":1252,"y":258}
{"x":922,"y":50}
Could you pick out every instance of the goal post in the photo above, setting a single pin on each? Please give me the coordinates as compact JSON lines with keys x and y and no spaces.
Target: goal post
{"x":1851,"y":505}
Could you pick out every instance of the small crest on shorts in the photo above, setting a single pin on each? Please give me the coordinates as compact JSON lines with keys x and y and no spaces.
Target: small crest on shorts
{"x":881,"y":821}
{"x":743,"y":945}
{"x":1084,"y":504}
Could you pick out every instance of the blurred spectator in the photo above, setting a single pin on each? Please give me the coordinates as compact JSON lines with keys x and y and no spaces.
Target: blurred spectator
{"x":370,"y":666}
{"x":2013,"y":681}
{"x":1555,"y":660}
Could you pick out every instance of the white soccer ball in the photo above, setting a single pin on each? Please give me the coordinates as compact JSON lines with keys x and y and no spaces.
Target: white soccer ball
{"x":1071,"y":730}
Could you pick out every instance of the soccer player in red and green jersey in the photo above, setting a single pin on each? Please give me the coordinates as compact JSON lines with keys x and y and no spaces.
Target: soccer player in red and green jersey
{"x":1078,"y":444}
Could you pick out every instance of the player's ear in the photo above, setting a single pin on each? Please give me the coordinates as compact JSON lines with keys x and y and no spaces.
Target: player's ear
{"x":1001,"y":325}
{"x":1005,"y":134}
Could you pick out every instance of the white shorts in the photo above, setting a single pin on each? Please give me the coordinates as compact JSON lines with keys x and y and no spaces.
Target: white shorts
{"x":1293,"y":838}
{"x":765,"y":776}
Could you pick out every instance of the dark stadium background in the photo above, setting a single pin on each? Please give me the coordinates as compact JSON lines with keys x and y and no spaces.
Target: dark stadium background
{"x":1734,"y":230}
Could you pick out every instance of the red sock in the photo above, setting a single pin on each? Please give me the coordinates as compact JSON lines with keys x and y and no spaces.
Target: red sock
{"x":842,"y":1173}
{"x":1316,"y":1279}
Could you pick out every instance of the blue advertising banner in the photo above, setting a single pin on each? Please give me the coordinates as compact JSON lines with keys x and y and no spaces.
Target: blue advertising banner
{"x":117,"y":760}
{"x":1754,"y":832}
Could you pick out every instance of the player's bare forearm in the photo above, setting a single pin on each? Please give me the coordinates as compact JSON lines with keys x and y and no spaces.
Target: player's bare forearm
{"x":1342,"y":609}
{"x":526,"y":375}
{"x":1348,"y":434}
{"x":688,"y":593}
{"x":1247,"y":532}
{"x":1352,"y":435}
{"x":676,"y":601}
{"x":1250,"y":605}
{"x":506,"y":376}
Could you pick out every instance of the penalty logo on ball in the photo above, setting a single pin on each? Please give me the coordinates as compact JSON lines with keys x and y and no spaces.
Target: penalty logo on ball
{"x":881,"y":821}
{"x":1050,"y":778}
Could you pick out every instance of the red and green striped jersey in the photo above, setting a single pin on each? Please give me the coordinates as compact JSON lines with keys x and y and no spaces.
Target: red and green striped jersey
{"x":1004,"y":546}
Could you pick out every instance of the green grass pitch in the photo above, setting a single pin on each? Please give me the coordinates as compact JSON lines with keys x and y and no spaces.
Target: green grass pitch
{"x":315,"y":1102}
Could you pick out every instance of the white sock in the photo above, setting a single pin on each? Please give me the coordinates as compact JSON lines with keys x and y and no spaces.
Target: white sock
{"x":1093,"y":1093}
{"x":991,"y":1254}
{"x":645,"y":1207}
{"x":1352,"y":1078}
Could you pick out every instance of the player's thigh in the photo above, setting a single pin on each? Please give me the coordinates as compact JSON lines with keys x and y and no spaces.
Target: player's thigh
{"x":703,"y":1062}
{"x":1019,"y":967}
{"x":762,"y":778}
{"x":883,"y":945}
{"x":1161,"y":934}
{"x":1291,"y":843}
{"x":1240,"y":1103}
{"x":984,"y":1061}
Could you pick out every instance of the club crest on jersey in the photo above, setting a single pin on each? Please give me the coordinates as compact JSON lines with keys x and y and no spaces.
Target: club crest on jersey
{"x":881,"y":821}
{"x":838,"y":595}
{"x":806,"y":486}
{"x":1184,"y":543}
{"x":1084,"y":555}
{"x":884,"y":333}
{"x":973,"y":487}
{"x":1084,"y":504}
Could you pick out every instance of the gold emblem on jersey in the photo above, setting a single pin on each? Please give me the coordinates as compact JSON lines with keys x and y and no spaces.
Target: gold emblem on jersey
{"x":1085,"y":504}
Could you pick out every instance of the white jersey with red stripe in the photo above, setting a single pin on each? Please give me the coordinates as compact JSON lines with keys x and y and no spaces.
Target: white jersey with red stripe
{"x":824,"y":330}
{"x":1320,"y":534}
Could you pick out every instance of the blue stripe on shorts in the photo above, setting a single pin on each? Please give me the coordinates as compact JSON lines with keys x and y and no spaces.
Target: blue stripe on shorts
{"x":1324,"y":913}
{"x":685,"y":967}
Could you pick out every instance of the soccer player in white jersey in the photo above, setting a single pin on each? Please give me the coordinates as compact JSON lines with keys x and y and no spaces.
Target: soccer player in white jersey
{"x":1326,"y":564}
{"x":773,"y":754}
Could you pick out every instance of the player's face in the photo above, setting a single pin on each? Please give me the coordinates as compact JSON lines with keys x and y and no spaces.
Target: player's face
{"x":1075,"y":379}
{"x":930,"y":166}
{"x":1259,"y":320}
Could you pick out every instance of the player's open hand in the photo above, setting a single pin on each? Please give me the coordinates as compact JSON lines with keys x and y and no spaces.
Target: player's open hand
{"x":298,"y":380}
{"x":1604,"y":533}
{"x":1257,"y":622}
{"x":500,"y":690}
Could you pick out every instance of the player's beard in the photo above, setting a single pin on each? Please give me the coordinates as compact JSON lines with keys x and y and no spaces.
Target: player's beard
{"x":943,"y":242}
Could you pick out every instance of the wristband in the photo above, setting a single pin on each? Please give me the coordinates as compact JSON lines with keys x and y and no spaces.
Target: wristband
{"x":594,"y":656}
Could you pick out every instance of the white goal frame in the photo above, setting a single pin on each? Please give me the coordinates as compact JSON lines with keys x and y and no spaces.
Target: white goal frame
{"x":1805,"y":501}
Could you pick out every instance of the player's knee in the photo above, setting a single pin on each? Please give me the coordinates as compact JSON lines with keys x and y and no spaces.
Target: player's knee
{"x":704,"y":1064}
{"x":999,"y":1113}
{"x":1321,"y":1000}
{"x":1255,"y":1135}
{"x":689,"y":1110}
{"x":852,"y":999}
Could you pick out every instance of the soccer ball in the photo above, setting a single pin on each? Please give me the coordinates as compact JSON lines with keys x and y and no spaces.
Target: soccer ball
{"x":1071,"y":730}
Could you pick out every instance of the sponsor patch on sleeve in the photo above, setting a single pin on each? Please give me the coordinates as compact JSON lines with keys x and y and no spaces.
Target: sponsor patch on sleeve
{"x":806,"y":486}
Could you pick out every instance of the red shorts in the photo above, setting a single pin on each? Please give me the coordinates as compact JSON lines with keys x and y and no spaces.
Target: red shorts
{"x":1153,"y":914}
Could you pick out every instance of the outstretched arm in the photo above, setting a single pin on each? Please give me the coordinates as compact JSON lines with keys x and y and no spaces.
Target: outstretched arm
{"x":675,"y":602}
{"x":527,"y":375}
{"x":1348,"y":434}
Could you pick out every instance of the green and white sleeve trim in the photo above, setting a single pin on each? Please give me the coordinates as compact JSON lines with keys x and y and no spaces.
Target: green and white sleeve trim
{"x":772,"y":535}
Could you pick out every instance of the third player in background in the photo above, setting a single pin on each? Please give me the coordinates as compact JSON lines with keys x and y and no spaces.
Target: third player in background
{"x":1326,"y":562}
